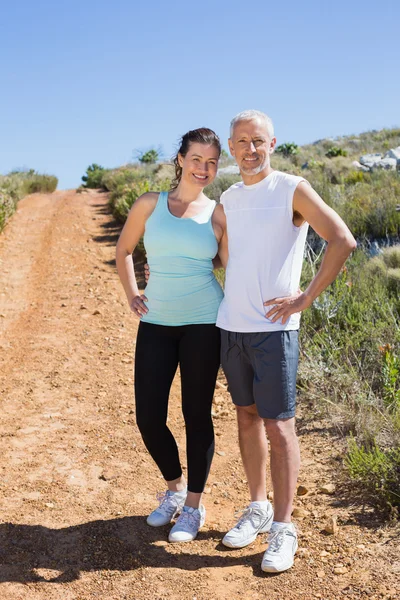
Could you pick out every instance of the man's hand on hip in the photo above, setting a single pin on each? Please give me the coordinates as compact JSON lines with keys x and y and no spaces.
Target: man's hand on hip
{"x":282,"y":308}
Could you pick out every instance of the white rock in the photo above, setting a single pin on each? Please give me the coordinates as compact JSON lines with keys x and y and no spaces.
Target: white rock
{"x":370,"y":160}
{"x":389,"y":164}
{"x":393,"y":153}
{"x":231,"y":170}
{"x":356,"y":165}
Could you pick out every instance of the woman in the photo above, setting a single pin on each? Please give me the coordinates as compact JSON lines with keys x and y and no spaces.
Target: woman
{"x":183,"y":231}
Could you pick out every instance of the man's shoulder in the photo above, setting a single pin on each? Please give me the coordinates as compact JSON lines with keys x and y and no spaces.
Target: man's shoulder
{"x":288,"y":179}
{"x":231,"y":190}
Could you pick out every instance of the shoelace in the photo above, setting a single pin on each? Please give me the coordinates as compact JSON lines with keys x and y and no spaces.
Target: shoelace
{"x":166,"y":501}
{"x":276,"y":538}
{"x":189,"y":520}
{"x":247,"y":514}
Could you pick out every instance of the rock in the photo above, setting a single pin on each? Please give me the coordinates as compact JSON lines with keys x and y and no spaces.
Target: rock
{"x":49,"y":505}
{"x":302,"y":490}
{"x":230,"y":170}
{"x":207,"y":490}
{"x":340,"y":570}
{"x":320,"y":574}
{"x":331,"y":526}
{"x":97,"y":312}
{"x":324,"y":553}
{"x":270,"y":495}
{"x":300,"y":513}
{"x":221,"y":453}
{"x":389,"y":164}
{"x":83,"y":307}
{"x":63,"y":305}
{"x":329,"y":488}
{"x":108,"y":476}
{"x":393,"y":153}
{"x":370,"y":160}
{"x":359,"y":167}
{"x":217,"y":501}
{"x":220,"y":385}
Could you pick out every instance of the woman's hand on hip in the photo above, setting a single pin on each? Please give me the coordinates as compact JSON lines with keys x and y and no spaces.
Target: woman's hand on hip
{"x":138,"y":306}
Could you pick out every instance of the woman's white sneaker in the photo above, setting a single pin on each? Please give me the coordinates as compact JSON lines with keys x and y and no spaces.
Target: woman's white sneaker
{"x":188,"y":524}
{"x":171,"y":503}
{"x":254,"y":520}
{"x":282,"y":546}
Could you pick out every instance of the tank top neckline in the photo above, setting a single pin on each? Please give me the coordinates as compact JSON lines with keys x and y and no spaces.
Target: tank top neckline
{"x":166,"y":194}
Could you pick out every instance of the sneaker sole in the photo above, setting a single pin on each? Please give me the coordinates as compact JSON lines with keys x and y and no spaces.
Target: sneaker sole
{"x":191,"y":539}
{"x":165,"y":522}
{"x":264,"y":529}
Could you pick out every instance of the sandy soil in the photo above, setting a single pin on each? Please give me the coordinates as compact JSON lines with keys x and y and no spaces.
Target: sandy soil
{"x":76,"y":482}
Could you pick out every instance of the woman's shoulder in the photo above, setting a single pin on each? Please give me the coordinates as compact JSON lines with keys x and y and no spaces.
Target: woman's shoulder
{"x":148,"y":198}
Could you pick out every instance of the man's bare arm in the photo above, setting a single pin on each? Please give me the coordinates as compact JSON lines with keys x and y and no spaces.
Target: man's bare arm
{"x":308,"y":206}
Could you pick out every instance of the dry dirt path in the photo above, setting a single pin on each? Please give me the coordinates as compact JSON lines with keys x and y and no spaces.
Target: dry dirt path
{"x":76,"y":481}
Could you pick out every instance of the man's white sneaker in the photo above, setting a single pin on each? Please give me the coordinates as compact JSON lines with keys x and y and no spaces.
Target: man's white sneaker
{"x":188,"y":524}
{"x":171,"y":503}
{"x":254,"y":520}
{"x":282,"y":546}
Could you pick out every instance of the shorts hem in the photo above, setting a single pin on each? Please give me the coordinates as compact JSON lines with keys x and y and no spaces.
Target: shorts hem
{"x":285,"y":415}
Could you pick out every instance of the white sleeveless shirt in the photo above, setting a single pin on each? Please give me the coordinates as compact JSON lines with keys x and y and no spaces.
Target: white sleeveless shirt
{"x":265,"y":253}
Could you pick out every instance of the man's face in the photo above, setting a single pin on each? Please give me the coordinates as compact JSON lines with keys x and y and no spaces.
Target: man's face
{"x":251,"y":146}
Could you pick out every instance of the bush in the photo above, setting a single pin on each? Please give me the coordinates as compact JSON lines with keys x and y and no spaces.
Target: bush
{"x":350,"y":340}
{"x":150,"y":157}
{"x":93,"y":177}
{"x":288,"y":149}
{"x":40,"y":183}
{"x":376,"y":472}
{"x":335,"y":151}
{"x":220,"y":185}
{"x":18,"y":184}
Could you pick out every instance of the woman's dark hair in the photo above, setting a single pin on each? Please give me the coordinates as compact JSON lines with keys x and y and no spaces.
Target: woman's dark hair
{"x":201,"y":136}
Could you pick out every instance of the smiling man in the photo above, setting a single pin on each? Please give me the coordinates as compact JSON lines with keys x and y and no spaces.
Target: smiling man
{"x":267,"y":220}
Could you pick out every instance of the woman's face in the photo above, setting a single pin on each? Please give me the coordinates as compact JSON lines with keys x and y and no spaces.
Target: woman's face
{"x":200,"y":164}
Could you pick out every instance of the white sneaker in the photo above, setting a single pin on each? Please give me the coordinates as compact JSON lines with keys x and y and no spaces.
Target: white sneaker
{"x":171,"y":503}
{"x":254,"y":520}
{"x":282,"y":546}
{"x":188,"y":524}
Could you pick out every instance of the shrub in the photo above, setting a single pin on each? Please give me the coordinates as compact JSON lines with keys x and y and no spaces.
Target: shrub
{"x":288,"y":149}
{"x":335,"y":151}
{"x":93,"y":177}
{"x":354,"y":177}
{"x":40,"y":183}
{"x":376,"y":472}
{"x":220,"y":185}
{"x":150,"y":157}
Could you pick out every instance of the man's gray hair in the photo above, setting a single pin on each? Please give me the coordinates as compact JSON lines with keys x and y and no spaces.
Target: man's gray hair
{"x":251,"y":115}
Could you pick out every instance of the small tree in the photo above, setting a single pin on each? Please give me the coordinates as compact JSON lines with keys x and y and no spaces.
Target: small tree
{"x":93,"y":177}
{"x":150,"y":157}
{"x":336,"y":151}
{"x":288,"y":149}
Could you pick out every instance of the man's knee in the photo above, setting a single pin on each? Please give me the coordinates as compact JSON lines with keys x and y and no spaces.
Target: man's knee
{"x":247,"y":416}
{"x":280,"y":432}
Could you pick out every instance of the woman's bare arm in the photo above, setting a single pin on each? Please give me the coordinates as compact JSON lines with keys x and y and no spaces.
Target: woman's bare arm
{"x":128,"y":240}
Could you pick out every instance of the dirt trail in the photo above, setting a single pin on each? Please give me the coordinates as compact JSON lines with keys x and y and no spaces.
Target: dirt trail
{"x":76,"y":481}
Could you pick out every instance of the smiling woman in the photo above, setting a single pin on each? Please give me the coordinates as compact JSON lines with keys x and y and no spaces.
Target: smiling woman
{"x":183,"y":232}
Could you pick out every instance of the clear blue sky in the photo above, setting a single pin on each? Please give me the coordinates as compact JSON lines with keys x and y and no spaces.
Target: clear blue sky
{"x":85,"y":81}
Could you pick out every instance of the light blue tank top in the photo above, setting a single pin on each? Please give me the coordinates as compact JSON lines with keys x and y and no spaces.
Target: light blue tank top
{"x":182,"y":289}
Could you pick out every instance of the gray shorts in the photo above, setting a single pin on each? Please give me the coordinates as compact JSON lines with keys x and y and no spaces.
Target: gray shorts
{"x":261,"y":369}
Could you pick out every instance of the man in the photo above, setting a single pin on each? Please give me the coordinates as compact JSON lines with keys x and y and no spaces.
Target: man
{"x":267,"y":220}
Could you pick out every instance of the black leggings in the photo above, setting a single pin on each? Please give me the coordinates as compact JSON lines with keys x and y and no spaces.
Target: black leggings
{"x":159,"y":350}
